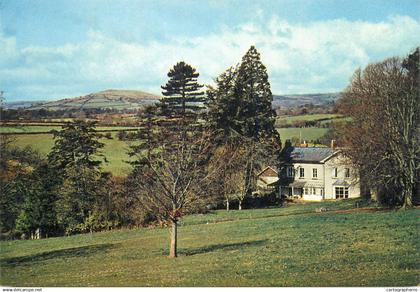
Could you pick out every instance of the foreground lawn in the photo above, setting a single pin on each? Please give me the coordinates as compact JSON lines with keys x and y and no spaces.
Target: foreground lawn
{"x":289,"y":246}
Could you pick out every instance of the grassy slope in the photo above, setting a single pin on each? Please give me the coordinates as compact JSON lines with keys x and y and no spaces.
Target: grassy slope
{"x":314,"y":117}
{"x":307,"y":133}
{"x":117,"y":99}
{"x":114,"y":150}
{"x":327,"y":249}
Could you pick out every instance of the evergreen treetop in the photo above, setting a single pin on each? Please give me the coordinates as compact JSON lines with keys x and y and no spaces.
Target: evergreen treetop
{"x":182,"y":95}
{"x":75,"y":145}
{"x":253,"y":89}
{"x":241,"y":101}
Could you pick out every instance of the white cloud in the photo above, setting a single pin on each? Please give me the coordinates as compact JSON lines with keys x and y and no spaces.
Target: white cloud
{"x":301,"y":58}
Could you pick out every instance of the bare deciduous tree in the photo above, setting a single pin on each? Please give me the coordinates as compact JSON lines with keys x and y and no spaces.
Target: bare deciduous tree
{"x":383,"y":135}
{"x":171,"y":177}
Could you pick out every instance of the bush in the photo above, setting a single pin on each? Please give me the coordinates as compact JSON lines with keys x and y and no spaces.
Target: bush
{"x":93,"y":223}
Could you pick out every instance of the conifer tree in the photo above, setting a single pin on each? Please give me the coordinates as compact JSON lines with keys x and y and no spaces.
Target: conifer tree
{"x":72,"y":157}
{"x":242,"y":99}
{"x":182,"y":96}
{"x":169,"y":169}
{"x":253,"y":90}
{"x":240,"y":110}
{"x":223,"y":104}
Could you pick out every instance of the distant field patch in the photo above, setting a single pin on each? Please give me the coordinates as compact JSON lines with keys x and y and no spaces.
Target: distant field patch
{"x":322,"y":119}
{"x":308,"y":134}
{"x":315,"y":117}
{"x":27,"y":129}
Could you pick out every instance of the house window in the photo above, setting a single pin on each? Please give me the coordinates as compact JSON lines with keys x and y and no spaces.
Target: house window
{"x":321,"y":192}
{"x":314,"y":173}
{"x":305,"y":191}
{"x":347,"y":172}
{"x":301,"y":172}
{"x":290,"y":171}
{"x":335,"y":172}
{"x":341,"y":192}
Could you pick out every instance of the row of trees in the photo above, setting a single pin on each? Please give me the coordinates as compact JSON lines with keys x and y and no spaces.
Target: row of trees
{"x":23,"y":114}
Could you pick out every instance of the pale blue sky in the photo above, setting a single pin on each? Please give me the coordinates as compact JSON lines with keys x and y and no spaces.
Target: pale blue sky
{"x":55,"y":49}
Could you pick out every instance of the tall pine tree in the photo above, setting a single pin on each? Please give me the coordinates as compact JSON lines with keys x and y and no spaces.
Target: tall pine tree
{"x":253,"y":90}
{"x":223,"y":104}
{"x":183,"y":98}
{"x":242,"y":99}
{"x":169,"y":169}
{"x":73,"y":159}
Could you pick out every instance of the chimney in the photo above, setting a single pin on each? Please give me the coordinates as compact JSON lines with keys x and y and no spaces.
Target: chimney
{"x":332,"y":144}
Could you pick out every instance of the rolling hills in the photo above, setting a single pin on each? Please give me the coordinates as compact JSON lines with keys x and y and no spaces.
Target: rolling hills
{"x":295,"y":100}
{"x":107,"y":99}
{"x":133,"y":99}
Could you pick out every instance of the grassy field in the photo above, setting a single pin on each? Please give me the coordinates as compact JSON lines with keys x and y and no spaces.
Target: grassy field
{"x":314,"y":117}
{"x":114,"y":150}
{"x":289,"y":246}
{"x":322,"y":118}
{"x":306,"y":133}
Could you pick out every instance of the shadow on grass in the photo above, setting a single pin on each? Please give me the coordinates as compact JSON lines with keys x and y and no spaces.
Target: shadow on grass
{"x":82,"y":251}
{"x":220,"y":247}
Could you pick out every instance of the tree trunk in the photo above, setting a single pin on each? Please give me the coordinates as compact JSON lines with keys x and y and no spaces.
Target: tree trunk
{"x":227,"y":204}
{"x":408,"y":200}
{"x":172,"y":250}
{"x":240,"y":205}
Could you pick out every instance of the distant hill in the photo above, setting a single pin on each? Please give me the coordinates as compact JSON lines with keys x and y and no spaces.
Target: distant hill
{"x":107,"y":99}
{"x":133,"y":99}
{"x":22,"y":104}
{"x":287,"y":101}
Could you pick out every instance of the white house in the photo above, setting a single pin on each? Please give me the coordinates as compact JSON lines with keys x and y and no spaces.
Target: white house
{"x":313,"y":174}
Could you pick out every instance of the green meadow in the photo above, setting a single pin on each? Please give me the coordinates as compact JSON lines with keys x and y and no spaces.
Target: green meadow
{"x":308,"y":117}
{"x":114,"y":150}
{"x":307,"y":134}
{"x":287,"y":246}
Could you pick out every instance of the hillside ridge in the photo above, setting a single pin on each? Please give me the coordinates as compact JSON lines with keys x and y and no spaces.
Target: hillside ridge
{"x":119,"y":99}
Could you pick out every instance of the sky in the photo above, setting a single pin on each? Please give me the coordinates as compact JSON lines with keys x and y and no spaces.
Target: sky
{"x":64,"y":48}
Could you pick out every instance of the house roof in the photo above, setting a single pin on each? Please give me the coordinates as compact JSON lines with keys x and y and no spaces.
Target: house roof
{"x":297,"y":184}
{"x":309,"y":154}
{"x":269,"y":180}
{"x":268,"y":167}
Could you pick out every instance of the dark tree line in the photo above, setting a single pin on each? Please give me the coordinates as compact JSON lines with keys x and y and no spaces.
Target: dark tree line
{"x":42,"y":113}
